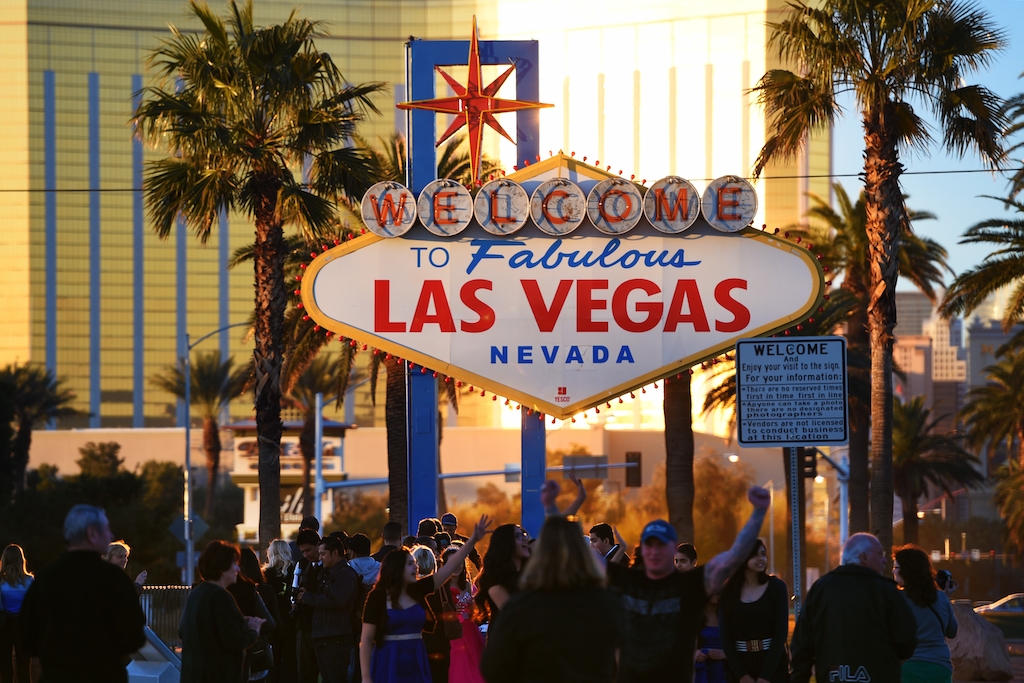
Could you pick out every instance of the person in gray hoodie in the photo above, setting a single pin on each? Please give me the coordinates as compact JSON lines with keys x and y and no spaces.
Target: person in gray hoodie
{"x":366,"y":567}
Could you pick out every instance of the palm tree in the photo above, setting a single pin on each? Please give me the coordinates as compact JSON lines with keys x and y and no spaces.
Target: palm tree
{"x":1002,"y":267}
{"x":326,"y":375}
{"x":921,"y":457}
{"x":1014,"y":110}
{"x":995,"y":412}
{"x":38,"y":396}
{"x":1009,"y":499}
{"x":842,"y":240}
{"x":239,"y":109}
{"x":887,"y":52}
{"x":453,"y":163}
{"x":215,"y":383}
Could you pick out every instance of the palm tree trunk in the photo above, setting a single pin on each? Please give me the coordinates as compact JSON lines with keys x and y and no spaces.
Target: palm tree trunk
{"x":910,"y":527}
{"x":398,"y":445}
{"x":1020,"y":447}
{"x":268,"y":354}
{"x":884,"y":207}
{"x":307,"y":446}
{"x":679,"y":490}
{"x":211,"y":447}
{"x":19,"y":454}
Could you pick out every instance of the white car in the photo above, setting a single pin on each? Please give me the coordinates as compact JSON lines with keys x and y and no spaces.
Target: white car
{"x":1011,"y":603}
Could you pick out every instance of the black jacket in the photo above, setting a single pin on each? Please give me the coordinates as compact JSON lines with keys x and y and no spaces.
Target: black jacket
{"x":333,"y":600}
{"x":853,"y":619}
{"x":214,"y":637}
{"x":81,"y":618}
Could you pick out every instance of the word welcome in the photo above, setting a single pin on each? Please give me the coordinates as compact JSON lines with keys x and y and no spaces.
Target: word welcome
{"x":558,"y":206}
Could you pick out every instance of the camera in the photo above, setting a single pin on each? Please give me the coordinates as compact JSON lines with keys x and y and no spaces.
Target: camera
{"x":943,"y":578}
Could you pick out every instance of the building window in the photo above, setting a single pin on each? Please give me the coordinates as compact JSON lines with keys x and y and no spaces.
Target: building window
{"x":254,"y":493}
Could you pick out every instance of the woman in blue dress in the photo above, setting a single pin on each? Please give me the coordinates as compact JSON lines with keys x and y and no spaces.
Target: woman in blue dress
{"x":391,"y":648}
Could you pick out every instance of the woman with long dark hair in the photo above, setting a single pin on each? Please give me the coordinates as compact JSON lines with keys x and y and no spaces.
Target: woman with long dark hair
{"x":258,"y":596}
{"x":564,"y":624}
{"x":754,"y":622}
{"x":930,"y":663}
{"x":499,"y":578}
{"x":391,"y":648}
{"x":14,"y":582}
{"x":709,"y":662}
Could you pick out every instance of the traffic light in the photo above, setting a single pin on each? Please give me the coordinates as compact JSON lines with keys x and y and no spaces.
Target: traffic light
{"x":634,"y":475}
{"x":808,"y":462}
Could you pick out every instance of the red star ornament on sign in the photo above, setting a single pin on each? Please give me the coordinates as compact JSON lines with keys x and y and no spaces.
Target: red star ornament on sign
{"x":473,"y":106}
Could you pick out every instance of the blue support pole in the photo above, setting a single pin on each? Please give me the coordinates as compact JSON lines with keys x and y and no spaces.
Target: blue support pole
{"x":423,"y":446}
{"x":534,"y":470}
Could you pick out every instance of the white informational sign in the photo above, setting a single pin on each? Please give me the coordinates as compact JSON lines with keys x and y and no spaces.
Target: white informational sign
{"x":792,"y":392}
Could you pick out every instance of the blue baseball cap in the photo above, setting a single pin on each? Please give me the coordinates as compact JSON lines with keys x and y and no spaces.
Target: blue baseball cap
{"x":449,"y":518}
{"x":661,"y":530}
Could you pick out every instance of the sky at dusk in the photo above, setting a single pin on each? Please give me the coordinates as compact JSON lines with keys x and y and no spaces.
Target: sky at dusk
{"x":957,"y":198}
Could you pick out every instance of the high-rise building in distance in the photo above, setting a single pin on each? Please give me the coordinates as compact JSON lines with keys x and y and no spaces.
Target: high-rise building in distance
{"x":89,"y":291}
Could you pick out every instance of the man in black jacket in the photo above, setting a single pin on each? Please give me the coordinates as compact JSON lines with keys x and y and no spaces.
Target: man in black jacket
{"x":855,"y":625}
{"x":332,"y":601}
{"x":308,"y":542}
{"x":81,"y":618}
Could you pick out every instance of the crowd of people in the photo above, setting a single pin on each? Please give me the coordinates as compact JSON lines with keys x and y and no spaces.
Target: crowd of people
{"x":566,"y":606}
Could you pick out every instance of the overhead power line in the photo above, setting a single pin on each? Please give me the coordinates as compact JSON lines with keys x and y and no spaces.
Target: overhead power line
{"x":708,"y":180}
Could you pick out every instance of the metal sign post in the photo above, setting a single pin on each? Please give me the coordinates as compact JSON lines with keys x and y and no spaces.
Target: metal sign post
{"x":795,"y":480}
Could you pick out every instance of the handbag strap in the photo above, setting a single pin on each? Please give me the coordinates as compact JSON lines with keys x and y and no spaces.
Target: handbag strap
{"x":942,"y":625}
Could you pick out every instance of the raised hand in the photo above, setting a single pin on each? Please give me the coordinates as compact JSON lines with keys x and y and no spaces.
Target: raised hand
{"x":481,"y":529}
{"x":760,"y":498}
{"x":578,"y":483}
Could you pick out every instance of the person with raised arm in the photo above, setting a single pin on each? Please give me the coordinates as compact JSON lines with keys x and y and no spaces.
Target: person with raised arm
{"x":391,"y":649}
{"x":664,"y":608}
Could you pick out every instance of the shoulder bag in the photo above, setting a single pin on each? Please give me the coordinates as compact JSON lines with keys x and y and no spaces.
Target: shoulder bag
{"x":449,"y":616}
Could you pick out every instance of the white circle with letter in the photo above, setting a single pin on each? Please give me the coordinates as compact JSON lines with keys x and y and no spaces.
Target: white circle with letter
{"x":729,"y":203}
{"x":502,"y":207}
{"x":445,"y":207}
{"x":388,"y":209}
{"x":672,"y":204}
{"x":615,"y":206}
{"x":558,"y":206}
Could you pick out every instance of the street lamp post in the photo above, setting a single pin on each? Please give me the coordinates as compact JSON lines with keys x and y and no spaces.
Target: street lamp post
{"x":190,"y":550}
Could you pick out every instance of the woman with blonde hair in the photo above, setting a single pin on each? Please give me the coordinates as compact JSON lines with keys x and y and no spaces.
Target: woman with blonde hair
{"x":434,"y":638}
{"x":563,"y":591}
{"x":117,"y":553}
{"x":14,"y":582}
{"x":278,"y":572}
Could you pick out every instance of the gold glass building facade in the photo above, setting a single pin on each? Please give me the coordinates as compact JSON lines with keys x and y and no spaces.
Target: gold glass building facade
{"x":88,"y":289}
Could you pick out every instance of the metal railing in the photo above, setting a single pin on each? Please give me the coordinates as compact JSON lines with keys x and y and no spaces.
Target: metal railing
{"x":163,"y":606}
